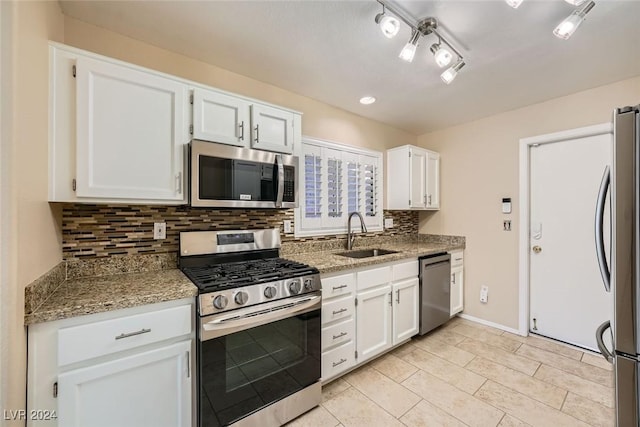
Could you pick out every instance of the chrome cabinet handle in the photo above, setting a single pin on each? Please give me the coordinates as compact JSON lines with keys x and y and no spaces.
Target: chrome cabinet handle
{"x":342,"y":310}
{"x":602,"y":259}
{"x":336,"y":288}
{"x":425,"y":200}
{"x":453,"y":279}
{"x":132,"y":334}
{"x":179,"y":182}
{"x":342,"y":360}
{"x":429,"y":199}
{"x":257,"y":133}
{"x":391,"y":298}
{"x":599,"y":340}
{"x":241,"y":126}
{"x":340,"y":335}
{"x":458,"y":259}
{"x":398,"y":296}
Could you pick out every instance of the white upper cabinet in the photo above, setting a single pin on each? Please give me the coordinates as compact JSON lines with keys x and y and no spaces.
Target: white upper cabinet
{"x":414,"y":175}
{"x":271,"y":129}
{"x":130,"y":133}
{"x":218,"y":117}
{"x":117,"y":133}
{"x":228,"y":119}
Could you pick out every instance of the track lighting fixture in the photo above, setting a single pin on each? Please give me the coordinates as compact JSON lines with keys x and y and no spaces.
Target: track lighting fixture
{"x":442,"y":55}
{"x":450,"y":73}
{"x":575,"y":2}
{"x":409,"y":50}
{"x":567,"y":27}
{"x":443,"y":51}
{"x":388,"y":24}
{"x":516,"y":3}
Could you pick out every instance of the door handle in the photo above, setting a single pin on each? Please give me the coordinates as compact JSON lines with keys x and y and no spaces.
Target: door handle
{"x":602,"y":259}
{"x":537,"y":249}
{"x":600,"y":341}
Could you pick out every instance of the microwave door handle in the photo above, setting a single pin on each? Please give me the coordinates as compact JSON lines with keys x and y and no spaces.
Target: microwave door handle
{"x":280,"y":180}
{"x":599,"y":225}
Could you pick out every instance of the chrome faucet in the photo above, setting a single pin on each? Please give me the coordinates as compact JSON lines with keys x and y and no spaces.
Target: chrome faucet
{"x":350,"y":236}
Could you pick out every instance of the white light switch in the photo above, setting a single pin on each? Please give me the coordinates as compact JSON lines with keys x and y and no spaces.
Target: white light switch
{"x":159,"y":230}
{"x":388,"y":223}
{"x":287,"y":226}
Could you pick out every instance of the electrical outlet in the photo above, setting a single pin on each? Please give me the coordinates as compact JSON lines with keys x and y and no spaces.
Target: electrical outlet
{"x":159,"y":230}
{"x":388,"y":223}
{"x":288,"y":227}
{"x":484,"y":294}
{"x":506,"y":225}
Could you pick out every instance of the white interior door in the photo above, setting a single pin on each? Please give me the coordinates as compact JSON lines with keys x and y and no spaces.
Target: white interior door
{"x":567,"y":298}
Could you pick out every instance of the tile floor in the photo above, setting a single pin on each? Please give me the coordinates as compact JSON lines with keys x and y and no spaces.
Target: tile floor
{"x":467,"y":374}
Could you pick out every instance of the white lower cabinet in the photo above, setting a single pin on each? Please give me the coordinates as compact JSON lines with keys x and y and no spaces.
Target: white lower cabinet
{"x":130,"y":367}
{"x":385,"y":298}
{"x":152,"y":388}
{"x":406,"y":316}
{"x":457,"y":282}
{"x":373,"y":314}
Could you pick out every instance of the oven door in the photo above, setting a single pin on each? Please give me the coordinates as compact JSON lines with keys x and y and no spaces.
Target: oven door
{"x":226,"y":176}
{"x":253,"y":357}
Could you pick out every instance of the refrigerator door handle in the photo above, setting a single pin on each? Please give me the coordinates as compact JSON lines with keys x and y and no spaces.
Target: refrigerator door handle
{"x":600,"y":206}
{"x":600,"y":341}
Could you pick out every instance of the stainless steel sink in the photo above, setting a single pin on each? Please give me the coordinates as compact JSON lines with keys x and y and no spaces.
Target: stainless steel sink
{"x":367,"y":253}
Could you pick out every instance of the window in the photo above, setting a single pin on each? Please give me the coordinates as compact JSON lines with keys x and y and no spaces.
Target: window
{"x":337,"y":180}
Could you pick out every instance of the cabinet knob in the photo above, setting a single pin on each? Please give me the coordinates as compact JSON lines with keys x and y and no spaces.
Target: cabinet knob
{"x":537,"y":249}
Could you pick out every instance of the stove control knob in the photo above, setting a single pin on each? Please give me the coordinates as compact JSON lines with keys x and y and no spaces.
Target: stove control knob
{"x":220,"y":302}
{"x":241,"y":298}
{"x":308,"y":284}
{"x":295,"y":287}
{"x":270,"y":291}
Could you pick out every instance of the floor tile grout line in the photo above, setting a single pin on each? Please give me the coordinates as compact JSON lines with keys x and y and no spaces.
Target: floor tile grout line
{"x":408,"y":410}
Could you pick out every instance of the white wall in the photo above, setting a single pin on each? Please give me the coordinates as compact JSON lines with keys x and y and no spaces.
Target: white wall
{"x":479,"y":166}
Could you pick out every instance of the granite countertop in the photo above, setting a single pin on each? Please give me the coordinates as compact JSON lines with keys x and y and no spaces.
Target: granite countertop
{"x":89,"y":295}
{"x":329,"y":261}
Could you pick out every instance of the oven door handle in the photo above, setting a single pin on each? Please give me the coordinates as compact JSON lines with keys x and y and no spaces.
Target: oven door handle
{"x":239,"y":321}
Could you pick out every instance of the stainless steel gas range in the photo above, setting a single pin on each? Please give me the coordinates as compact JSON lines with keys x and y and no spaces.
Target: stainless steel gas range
{"x":258,"y":317}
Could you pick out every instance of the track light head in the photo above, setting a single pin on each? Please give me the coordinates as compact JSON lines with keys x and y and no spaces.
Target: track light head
{"x":388,"y":24}
{"x":441,"y":55}
{"x":409,"y":50}
{"x":569,"y":26}
{"x":515,"y":3}
{"x":450,"y":73}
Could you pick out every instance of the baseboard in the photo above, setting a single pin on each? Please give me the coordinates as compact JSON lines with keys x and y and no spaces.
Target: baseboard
{"x":492,"y":324}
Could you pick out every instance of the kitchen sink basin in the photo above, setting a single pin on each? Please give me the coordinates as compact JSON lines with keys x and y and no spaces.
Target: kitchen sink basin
{"x":367,"y":253}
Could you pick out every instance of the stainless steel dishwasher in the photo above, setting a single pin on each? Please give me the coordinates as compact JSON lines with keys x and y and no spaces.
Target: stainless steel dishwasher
{"x":435,"y":291}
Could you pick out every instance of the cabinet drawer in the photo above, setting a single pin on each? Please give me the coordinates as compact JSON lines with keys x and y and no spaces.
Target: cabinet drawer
{"x":373,"y":277}
{"x":457,"y":258}
{"x":338,"y":360}
{"x":405,"y":270}
{"x":110,"y":336}
{"x":338,"y":285}
{"x":340,"y":308}
{"x":338,"y":334}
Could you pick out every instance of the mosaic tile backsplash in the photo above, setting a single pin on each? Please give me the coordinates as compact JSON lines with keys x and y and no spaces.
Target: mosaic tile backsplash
{"x":93,"y":231}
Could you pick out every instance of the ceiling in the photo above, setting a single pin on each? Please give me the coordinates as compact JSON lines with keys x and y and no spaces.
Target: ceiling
{"x":333,"y":51}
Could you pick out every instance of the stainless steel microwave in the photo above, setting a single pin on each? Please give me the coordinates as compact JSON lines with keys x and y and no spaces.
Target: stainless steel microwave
{"x":232,"y":177}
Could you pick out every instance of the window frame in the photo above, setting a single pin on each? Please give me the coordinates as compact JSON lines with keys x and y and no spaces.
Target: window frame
{"x":326,"y":224}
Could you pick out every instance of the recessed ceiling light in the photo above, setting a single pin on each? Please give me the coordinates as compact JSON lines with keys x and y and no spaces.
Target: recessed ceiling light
{"x":366,"y":100}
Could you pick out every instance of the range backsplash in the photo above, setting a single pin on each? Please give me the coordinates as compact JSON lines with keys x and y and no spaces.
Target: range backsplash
{"x":92,"y":231}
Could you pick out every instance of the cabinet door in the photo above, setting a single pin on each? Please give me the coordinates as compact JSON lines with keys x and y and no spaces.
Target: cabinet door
{"x":220,"y":118}
{"x":271,"y":129}
{"x":418,"y":165}
{"x":433,"y":180}
{"x":131,"y":131}
{"x":406,"y":321}
{"x":146,"y":389}
{"x":457,"y":290}
{"x":373,"y":322}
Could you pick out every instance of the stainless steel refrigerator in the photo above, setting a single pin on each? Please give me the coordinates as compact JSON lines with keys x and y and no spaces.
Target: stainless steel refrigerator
{"x":621,"y":277}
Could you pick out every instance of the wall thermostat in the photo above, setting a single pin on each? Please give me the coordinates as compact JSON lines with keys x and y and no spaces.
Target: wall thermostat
{"x":506,"y":205}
